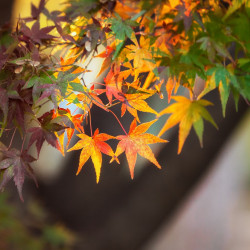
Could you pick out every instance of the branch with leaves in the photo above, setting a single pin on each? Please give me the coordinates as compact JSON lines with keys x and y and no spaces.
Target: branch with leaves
{"x":149,"y":48}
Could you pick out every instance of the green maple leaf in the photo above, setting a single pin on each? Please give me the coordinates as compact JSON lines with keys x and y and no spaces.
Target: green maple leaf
{"x":240,"y":28}
{"x":224,"y":77}
{"x":195,"y":60}
{"x":122,"y":30}
{"x":244,"y":82}
{"x":220,"y":74}
{"x":211,"y":46}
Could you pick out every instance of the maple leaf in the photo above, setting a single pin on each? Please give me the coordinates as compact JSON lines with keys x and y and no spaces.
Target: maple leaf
{"x":57,"y":17}
{"x":129,"y":71}
{"x":172,"y":84}
{"x":46,"y":131}
{"x":122,"y":30}
{"x":70,"y":65}
{"x":126,"y":10}
{"x":223,"y":77}
{"x":4,"y":107}
{"x":141,"y":56}
{"x":40,"y":82}
{"x":113,"y":82}
{"x":93,"y":147}
{"x":35,"y":33}
{"x":174,"y":3}
{"x":187,"y":113}
{"x":244,"y":86}
{"x":3,"y":57}
{"x":130,"y":95}
{"x":65,"y":78}
{"x":86,"y":97}
{"x":75,"y":120}
{"x":211,"y":46}
{"x":17,"y":109}
{"x":107,"y":54}
{"x":35,"y":12}
{"x":185,"y":13}
{"x":167,"y":38}
{"x":51,"y":91}
{"x":55,"y":88}
{"x":134,"y":102}
{"x":135,"y":142}
{"x":15,"y":165}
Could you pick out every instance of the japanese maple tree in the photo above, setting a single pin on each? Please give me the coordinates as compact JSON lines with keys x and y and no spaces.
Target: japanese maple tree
{"x":177,"y":50}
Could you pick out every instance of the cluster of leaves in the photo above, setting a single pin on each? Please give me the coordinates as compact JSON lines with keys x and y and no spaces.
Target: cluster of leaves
{"x":148,"y":47}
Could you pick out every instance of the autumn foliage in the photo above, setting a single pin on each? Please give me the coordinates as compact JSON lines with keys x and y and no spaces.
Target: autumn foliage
{"x":177,"y":50}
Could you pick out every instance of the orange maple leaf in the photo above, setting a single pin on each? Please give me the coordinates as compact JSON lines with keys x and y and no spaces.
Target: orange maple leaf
{"x":107,"y":54}
{"x":113,"y":82}
{"x":69,"y":63}
{"x":77,"y":121}
{"x":167,"y":38}
{"x":136,"y":142}
{"x":126,"y":9}
{"x":172,"y":84}
{"x":93,"y":147}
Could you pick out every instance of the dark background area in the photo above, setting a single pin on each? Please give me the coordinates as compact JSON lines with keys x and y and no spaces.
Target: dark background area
{"x":5,"y":10}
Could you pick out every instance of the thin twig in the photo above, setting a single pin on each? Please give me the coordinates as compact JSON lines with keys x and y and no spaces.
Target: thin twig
{"x":23,"y":143}
{"x":13,"y":135}
{"x":90,"y":124}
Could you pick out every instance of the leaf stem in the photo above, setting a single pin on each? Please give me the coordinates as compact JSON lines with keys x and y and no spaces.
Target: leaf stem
{"x":90,"y":124}
{"x":23,"y":143}
{"x":118,"y":121}
{"x":13,"y":135}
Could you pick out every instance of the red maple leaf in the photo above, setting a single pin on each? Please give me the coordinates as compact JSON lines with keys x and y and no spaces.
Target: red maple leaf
{"x":36,"y":34}
{"x":113,"y":83}
{"x":16,"y":165}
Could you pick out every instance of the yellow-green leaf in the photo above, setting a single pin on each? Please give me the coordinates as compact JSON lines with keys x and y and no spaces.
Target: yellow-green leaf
{"x":187,"y":113}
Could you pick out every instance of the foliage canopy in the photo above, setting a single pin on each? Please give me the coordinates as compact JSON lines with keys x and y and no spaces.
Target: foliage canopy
{"x":149,"y":48}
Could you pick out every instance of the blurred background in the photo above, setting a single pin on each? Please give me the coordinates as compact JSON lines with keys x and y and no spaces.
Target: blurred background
{"x":199,"y":200}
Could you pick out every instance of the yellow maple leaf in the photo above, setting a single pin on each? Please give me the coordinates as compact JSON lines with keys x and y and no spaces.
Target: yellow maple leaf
{"x":141,"y":56}
{"x":93,"y":147}
{"x":135,"y":102}
{"x":174,"y":3}
{"x":187,"y":112}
